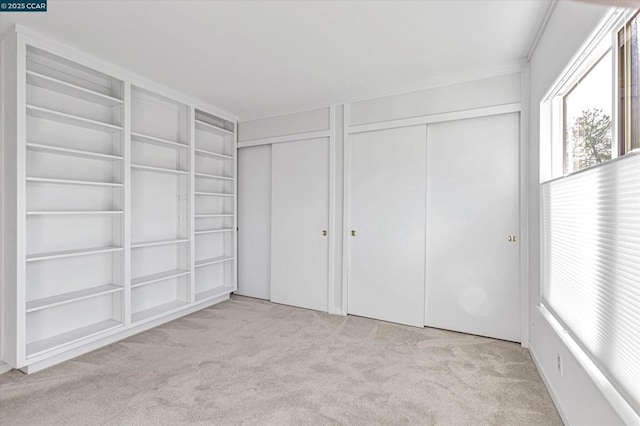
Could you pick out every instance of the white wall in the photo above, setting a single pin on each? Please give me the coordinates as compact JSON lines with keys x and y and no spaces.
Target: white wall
{"x":301,"y":122}
{"x":575,"y":392}
{"x":498,"y":90}
{"x":1,"y":214}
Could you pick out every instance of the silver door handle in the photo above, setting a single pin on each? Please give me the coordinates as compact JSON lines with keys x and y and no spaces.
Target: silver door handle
{"x":353,"y":233}
{"x":324,"y":233}
{"x":512,"y":238}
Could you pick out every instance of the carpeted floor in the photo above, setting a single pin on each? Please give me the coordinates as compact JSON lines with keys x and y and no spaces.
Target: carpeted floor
{"x":247,"y":361}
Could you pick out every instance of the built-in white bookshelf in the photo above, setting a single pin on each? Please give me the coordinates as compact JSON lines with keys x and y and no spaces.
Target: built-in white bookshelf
{"x":74,"y":282}
{"x":125,"y":204}
{"x":160,"y":212}
{"x":215,"y":206}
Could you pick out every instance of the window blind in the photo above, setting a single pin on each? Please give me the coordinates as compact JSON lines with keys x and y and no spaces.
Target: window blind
{"x":591,"y":275}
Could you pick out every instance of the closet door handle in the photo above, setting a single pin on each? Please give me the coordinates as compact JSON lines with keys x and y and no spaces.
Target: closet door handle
{"x":324,"y":233}
{"x":353,"y":233}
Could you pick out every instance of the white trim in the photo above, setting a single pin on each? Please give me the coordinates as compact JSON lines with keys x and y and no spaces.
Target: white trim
{"x":331,"y":282}
{"x":126,"y":202}
{"x":346,"y":205}
{"x":543,"y":26}
{"x":584,"y":57}
{"x":286,"y":138}
{"x":611,"y":394}
{"x":442,"y":80}
{"x":550,"y":388}
{"x":47,"y":360}
{"x":524,"y":206}
{"x":436,"y":118}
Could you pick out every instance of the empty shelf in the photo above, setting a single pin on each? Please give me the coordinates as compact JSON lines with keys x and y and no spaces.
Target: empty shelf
{"x":213,"y":261}
{"x":72,"y":182}
{"x":46,"y":82}
{"x":157,"y":310}
{"x":214,"y":194}
{"x":214,"y":231}
{"x":159,"y":243}
{"x":203,"y":125}
{"x":74,"y":120}
{"x":206,"y":175}
{"x":139,"y":137}
{"x":212,"y":293}
{"x":160,"y":276}
{"x":213,"y":154}
{"x":212,"y":215}
{"x":74,"y":296}
{"x":72,"y":152}
{"x":73,"y":212}
{"x":158,"y":169}
{"x":51,"y":343}
{"x":70,"y":253}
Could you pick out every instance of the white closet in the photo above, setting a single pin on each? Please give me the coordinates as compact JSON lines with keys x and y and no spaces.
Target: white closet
{"x":124,"y":205}
{"x":386,"y":224}
{"x":254,"y":220}
{"x":473,"y":266}
{"x":299,"y":223}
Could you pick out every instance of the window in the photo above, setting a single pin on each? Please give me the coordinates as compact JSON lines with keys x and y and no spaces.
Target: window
{"x":590,"y":170}
{"x":587,"y":118}
{"x":595,"y":106}
{"x":629,"y":85}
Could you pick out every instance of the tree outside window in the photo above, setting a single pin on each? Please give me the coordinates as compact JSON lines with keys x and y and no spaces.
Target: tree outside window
{"x":588,"y":133}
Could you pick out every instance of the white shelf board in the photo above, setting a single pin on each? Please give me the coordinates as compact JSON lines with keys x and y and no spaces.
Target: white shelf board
{"x":204,"y":152}
{"x":165,"y":143}
{"x":158,"y":169}
{"x":159,"y":310}
{"x":74,"y":296}
{"x":213,"y":231}
{"x":214,"y":194}
{"x":54,"y":342}
{"x":73,"y":212}
{"x":71,"y":253}
{"x":74,"y":120}
{"x":158,"y":243}
{"x":50,"y":83}
{"x":160,"y":276}
{"x":213,"y":293}
{"x":207,"y":175}
{"x":72,"y":182}
{"x":213,"y":261}
{"x":199,"y":216}
{"x":203,"y":125}
{"x":72,"y":152}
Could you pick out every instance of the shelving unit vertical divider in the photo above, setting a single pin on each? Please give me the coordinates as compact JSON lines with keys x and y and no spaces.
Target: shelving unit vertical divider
{"x":126,"y":227}
{"x":192,"y":204}
{"x":235,"y":205}
{"x":17,"y":46}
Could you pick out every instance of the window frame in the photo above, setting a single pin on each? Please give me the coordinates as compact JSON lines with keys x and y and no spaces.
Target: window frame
{"x":552,"y":107}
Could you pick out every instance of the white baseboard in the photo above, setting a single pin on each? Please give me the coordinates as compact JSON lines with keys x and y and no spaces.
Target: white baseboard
{"x":4,"y":367}
{"x":547,"y":383}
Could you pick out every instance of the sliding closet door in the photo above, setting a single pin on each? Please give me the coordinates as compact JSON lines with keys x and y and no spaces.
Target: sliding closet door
{"x":472,"y":219}
{"x":254,"y":221}
{"x":387,"y":217}
{"x":299,"y":223}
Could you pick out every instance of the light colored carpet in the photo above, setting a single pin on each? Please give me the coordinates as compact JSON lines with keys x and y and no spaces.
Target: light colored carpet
{"x":247,"y":361}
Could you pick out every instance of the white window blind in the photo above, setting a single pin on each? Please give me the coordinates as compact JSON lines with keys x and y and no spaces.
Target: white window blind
{"x":592,"y":266}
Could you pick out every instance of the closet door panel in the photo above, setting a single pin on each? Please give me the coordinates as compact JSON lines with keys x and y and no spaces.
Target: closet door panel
{"x":300,"y":214}
{"x":387,"y":214}
{"x":254,"y":221}
{"x":472,"y":209}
